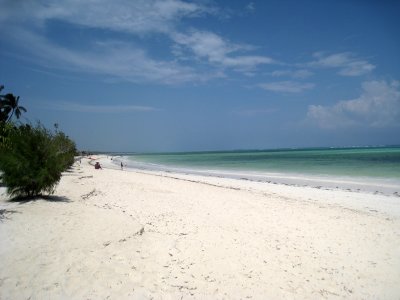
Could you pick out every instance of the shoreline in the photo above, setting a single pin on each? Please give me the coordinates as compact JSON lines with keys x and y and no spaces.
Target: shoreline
{"x":383,"y":186}
{"x":351,"y":198}
{"x":141,"y":234}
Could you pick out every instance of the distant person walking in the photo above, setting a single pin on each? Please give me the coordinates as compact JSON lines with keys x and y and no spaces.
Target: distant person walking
{"x":122,"y":166}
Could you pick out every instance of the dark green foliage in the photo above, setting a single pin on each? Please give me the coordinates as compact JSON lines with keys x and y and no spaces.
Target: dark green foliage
{"x":5,"y":131}
{"x":33,"y":159}
{"x":66,"y":149}
{"x":9,"y":105}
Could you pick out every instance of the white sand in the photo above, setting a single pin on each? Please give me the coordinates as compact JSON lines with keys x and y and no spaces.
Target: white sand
{"x":117,"y":234}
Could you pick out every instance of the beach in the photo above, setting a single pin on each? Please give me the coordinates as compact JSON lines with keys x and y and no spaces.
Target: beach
{"x":140,"y":234}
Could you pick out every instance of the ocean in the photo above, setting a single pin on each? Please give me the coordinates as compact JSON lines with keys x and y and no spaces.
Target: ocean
{"x":371,"y":169}
{"x":376,"y":162}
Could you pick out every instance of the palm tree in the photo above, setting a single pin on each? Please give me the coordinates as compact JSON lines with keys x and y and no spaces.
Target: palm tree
{"x":3,"y":114}
{"x":9,"y":104}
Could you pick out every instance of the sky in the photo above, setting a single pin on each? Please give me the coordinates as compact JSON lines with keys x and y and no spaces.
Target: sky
{"x":174,"y":75}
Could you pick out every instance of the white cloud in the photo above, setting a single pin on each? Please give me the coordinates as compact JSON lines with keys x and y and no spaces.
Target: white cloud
{"x":378,"y":106}
{"x":287,"y":86}
{"x":250,"y":6}
{"x":356,"y":68}
{"x":346,"y":62}
{"x":139,"y":16}
{"x":115,"y":59}
{"x":86,"y":108}
{"x":218,"y":51}
{"x":298,"y":74}
{"x":28,"y":22}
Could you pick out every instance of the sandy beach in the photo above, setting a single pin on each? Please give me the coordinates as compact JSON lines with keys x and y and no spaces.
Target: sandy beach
{"x":112,"y":234}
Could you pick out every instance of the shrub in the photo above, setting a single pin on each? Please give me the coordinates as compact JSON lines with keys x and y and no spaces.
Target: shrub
{"x":33,"y":160}
{"x":66,"y":149}
{"x":5,"y":130}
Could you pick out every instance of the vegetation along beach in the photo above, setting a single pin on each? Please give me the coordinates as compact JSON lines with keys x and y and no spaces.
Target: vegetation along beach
{"x":190,"y":149}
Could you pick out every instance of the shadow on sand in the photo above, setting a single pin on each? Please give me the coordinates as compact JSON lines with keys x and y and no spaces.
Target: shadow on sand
{"x":49,"y":198}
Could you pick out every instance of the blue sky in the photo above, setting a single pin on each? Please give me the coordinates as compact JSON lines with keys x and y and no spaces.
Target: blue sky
{"x":170,"y":75}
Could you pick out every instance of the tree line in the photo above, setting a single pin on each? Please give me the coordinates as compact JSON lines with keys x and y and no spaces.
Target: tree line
{"x":32,"y":157}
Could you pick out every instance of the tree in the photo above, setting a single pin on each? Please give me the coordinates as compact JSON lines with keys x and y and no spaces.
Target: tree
{"x":5,"y":130}
{"x":3,"y":112}
{"x":9,"y":105}
{"x":66,"y":149}
{"x":34,"y":159}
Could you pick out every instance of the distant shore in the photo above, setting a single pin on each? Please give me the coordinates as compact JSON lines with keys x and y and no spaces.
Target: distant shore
{"x":155,"y":234}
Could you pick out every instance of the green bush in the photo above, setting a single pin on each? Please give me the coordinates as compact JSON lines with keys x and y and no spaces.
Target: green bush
{"x":66,"y":149}
{"x":33,"y":159}
{"x":5,"y":130}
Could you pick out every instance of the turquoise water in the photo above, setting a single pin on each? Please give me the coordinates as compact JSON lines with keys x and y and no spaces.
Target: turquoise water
{"x":381,"y":162}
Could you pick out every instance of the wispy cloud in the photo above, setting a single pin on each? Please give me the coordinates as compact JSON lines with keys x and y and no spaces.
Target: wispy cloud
{"x":110,"y":58}
{"x":118,"y":59}
{"x":140,"y":16}
{"x":250,"y":7}
{"x":195,"y":55}
{"x":86,"y":108}
{"x":122,"y":58}
{"x":208,"y":45}
{"x":287,"y":86}
{"x":347,"y":63}
{"x":297,"y":74}
{"x":378,"y":106}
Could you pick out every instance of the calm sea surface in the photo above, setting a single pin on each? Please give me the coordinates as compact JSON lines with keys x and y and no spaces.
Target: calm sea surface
{"x":383,"y":162}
